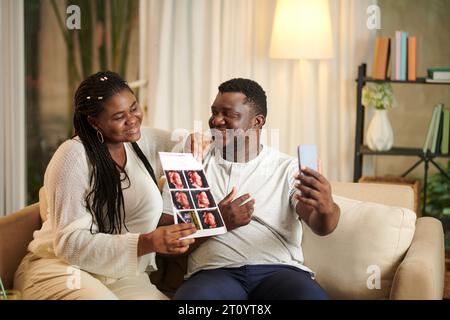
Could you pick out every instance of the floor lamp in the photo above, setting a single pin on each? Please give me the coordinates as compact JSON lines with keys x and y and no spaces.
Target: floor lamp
{"x":301,"y":30}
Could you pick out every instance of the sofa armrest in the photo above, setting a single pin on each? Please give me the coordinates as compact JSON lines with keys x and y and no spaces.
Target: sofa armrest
{"x":16,"y":232}
{"x":421,"y":273}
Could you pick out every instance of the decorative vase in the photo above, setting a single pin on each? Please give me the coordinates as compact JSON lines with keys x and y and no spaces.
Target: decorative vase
{"x":379,"y":134}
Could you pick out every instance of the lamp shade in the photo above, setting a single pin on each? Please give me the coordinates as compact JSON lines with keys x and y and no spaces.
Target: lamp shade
{"x":301,"y":30}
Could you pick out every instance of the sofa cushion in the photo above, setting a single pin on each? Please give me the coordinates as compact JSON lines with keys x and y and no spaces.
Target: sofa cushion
{"x":370,"y":237}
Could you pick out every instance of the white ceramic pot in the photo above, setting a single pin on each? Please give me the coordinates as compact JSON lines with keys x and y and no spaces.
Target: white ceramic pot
{"x":379,"y":134}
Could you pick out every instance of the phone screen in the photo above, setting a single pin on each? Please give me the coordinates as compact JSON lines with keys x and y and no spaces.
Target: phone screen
{"x":307,"y":156}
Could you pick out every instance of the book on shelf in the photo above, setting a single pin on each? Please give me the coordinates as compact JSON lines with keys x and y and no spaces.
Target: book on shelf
{"x":437,"y":80}
{"x":436,"y":147}
{"x":375,"y":56}
{"x":431,"y":129}
{"x":437,"y":140}
{"x":397,"y":55}
{"x":396,"y":58}
{"x":439,"y":73}
{"x":437,"y":123}
{"x":381,"y":58}
{"x":403,"y":55}
{"x":445,"y":142}
{"x":412,"y":52}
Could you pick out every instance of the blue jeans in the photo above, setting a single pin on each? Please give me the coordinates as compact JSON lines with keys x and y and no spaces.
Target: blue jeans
{"x":251,"y":282}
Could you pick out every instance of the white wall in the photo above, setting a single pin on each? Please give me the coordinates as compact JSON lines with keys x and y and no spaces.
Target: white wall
{"x":428,"y":21}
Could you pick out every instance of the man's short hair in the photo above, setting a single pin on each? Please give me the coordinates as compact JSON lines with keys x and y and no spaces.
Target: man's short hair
{"x":255,"y":94}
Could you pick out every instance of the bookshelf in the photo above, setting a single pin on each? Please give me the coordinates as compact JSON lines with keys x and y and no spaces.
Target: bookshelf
{"x":362,"y":150}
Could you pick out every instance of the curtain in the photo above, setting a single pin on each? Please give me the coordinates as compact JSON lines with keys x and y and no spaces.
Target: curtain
{"x":12,"y":107}
{"x":189,"y":47}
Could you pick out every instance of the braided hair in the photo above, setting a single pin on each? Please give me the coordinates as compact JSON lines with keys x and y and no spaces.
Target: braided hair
{"x":105,"y":200}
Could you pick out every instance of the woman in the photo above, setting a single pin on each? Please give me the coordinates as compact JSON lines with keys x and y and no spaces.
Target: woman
{"x":103,"y":206}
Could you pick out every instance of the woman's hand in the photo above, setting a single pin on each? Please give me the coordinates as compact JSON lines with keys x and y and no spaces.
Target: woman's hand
{"x":167,"y":239}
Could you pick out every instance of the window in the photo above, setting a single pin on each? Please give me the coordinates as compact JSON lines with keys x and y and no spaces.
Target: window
{"x":65,"y":41}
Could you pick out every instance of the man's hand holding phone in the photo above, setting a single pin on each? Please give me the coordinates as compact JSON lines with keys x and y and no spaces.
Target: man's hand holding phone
{"x":315,"y":193}
{"x":315,"y":190}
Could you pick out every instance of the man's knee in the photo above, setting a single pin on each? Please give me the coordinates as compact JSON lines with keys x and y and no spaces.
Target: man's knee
{"x":217,"y":284}
{"x":289,"y":284}
{"x":309,"y":292}
{"x":190,"y":291}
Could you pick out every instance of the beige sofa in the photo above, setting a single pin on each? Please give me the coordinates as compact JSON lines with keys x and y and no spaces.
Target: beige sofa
{"x":378,"y":251}
{"x":342,"y":260}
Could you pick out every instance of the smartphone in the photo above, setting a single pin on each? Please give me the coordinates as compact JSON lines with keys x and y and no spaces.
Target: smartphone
{"x":307,"y":156}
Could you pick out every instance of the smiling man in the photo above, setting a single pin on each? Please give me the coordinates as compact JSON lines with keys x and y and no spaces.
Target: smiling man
{"x":260,"y":257}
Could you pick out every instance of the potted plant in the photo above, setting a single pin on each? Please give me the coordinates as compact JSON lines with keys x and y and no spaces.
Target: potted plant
{"x":438,"y":200}
{"x":380,"y":97}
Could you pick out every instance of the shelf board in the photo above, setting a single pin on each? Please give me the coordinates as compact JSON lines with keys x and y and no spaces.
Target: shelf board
{"x":401,"y":151}
{"x":419,"y":80}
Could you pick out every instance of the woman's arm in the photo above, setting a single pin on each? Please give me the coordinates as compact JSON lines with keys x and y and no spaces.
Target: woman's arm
{"x":66,"y":185}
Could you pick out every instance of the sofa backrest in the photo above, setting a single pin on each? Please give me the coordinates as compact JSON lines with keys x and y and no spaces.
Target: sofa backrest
{"x":359,"y":259}
{"x":388,"y":194}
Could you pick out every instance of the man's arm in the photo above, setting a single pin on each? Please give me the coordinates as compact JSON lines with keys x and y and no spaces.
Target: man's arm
{"x":315,"y":204}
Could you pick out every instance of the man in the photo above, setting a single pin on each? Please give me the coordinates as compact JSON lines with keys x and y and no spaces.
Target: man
{"x":260,"y":257}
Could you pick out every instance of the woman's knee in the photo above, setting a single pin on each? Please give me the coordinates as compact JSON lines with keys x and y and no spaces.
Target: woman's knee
{"x":52,"y":279}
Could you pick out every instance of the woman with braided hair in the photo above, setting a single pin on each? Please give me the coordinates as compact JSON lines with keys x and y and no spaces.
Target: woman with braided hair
{"x":102,"y":232}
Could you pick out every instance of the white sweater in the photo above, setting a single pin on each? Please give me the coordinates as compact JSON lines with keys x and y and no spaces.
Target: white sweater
{"x":66,"y":232}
